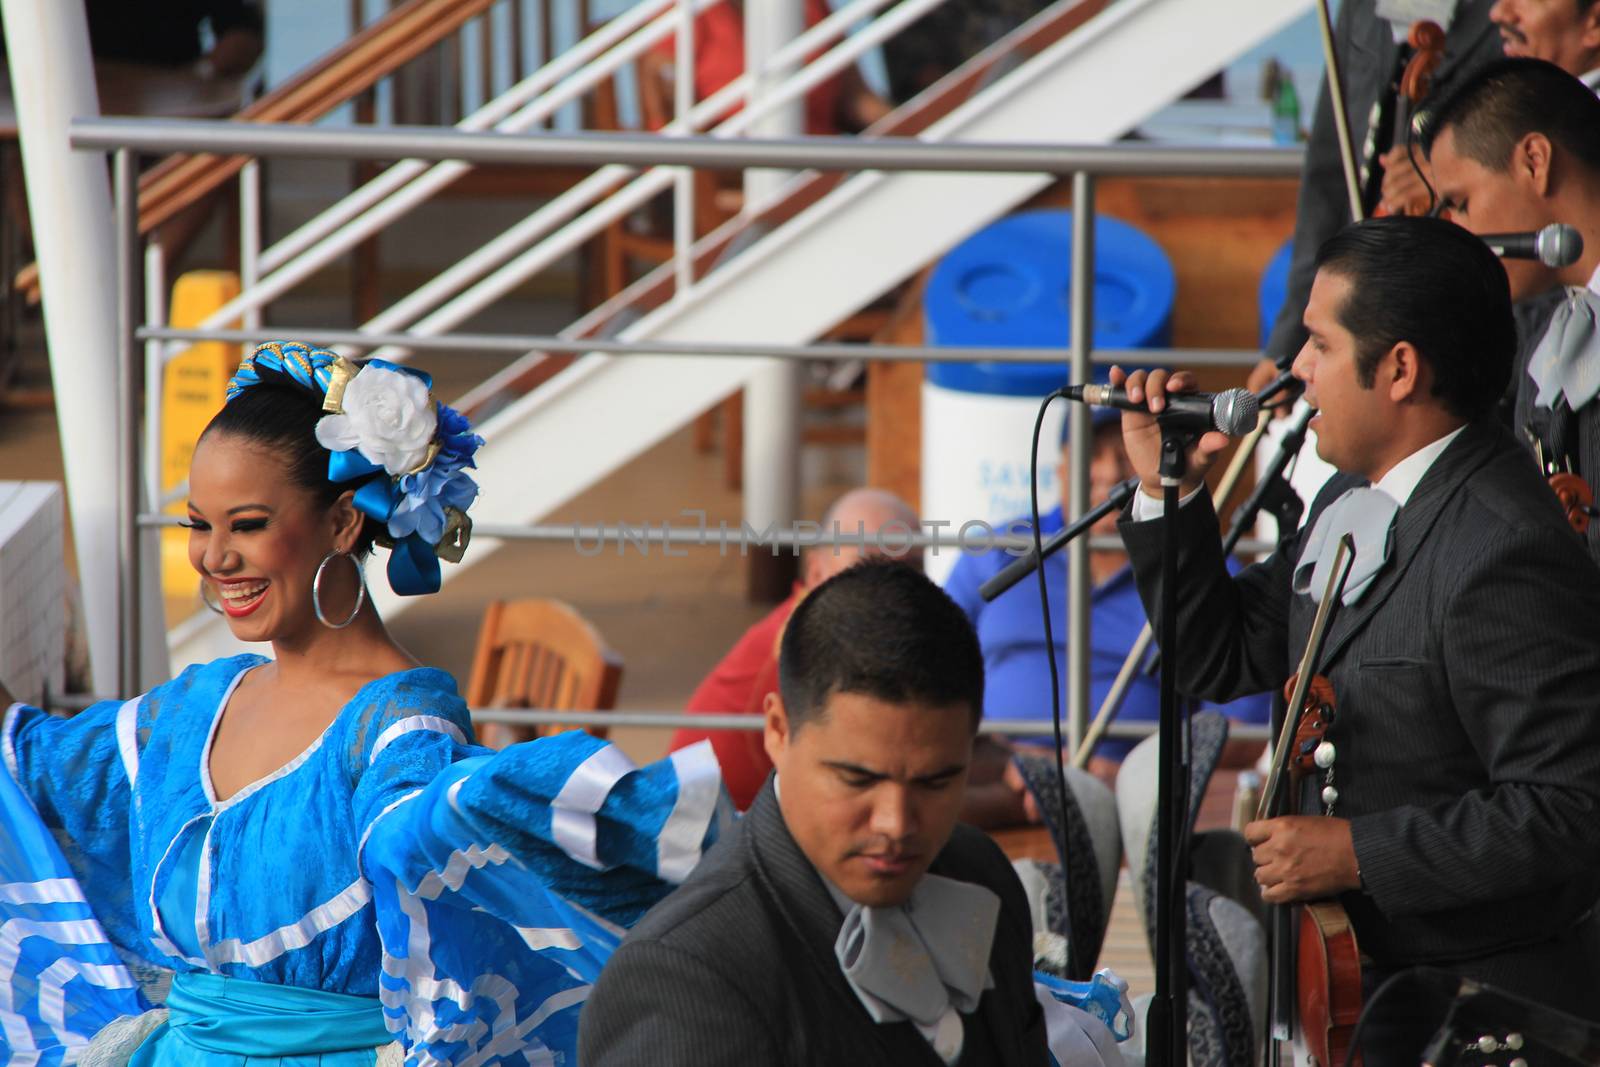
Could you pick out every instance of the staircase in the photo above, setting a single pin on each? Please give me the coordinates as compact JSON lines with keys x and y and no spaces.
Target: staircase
{"x":862,"y":236}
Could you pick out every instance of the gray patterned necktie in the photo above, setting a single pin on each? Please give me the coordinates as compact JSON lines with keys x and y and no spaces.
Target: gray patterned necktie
{"x":1566,"y":363}
{"x":1368,"y":516}
{"x":926,"y":961}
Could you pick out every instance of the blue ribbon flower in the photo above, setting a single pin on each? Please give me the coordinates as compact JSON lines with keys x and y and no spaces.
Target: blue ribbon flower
{"x":412,"y":507}
{"x":411,"y":504}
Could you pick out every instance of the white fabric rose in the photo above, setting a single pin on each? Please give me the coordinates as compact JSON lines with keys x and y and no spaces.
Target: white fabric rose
{"x":387,"y":416}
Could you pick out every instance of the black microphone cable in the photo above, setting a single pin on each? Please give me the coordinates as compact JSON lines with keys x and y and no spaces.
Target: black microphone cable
{"x":1050,"y":647}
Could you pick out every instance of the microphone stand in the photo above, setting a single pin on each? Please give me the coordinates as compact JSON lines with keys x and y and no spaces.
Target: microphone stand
{"x":1271,"y":492}
{"x":1168,"y":1016}
{"x":1023,"y":566}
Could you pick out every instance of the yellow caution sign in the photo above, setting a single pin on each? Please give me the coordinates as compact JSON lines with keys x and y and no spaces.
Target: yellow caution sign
{"x":193,"y":387}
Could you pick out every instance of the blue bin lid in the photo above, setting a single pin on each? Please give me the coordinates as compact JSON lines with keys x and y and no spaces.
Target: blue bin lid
{"x":1274,"y":289}
{"x":1007,"y":286}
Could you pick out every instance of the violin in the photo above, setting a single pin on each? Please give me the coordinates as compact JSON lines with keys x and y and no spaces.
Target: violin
{"x":1314,"y":945}
{"x":1327,"y":959}
{"x":1425,"y":45}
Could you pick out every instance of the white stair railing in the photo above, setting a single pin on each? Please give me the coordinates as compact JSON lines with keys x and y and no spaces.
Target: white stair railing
{"x":406,"y":185}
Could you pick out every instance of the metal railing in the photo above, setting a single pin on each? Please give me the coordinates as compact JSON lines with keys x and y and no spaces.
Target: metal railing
{"x":672,"y":720}
{"x":125,"y":138}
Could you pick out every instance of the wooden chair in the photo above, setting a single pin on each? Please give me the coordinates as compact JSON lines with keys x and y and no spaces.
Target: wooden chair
{"x":540,"y":654}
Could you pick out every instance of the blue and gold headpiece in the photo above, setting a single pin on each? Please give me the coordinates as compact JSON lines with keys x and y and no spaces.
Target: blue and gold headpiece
{"x":405,"y":454}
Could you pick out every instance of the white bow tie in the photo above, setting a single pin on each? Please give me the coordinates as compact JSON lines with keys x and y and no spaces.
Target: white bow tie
{"x":1368,"y":516}
{"x":926,"y":961}
{"x":1566,"y":364}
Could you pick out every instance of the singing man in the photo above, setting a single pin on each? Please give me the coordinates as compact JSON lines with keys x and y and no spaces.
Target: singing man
{"x":1464,"y":830}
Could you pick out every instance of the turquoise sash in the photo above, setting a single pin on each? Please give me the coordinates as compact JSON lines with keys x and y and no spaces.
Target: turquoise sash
{"x":213,"y":1017}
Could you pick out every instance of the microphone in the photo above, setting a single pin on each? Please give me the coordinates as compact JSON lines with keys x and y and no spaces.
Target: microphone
{"x":1232,"y":411}
{"x":1557,"y":245}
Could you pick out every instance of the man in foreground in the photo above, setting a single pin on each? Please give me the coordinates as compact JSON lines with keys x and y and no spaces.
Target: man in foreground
{"x":810,"y":936}
{"x":742,"y":679}
{"x":1462,"y":832}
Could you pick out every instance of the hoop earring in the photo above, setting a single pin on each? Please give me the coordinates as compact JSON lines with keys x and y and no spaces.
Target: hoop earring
{"x":204,"y":585}
{"x":316,"y":590}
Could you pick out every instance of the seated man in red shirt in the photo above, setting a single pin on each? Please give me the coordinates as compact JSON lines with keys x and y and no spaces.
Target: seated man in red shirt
{"x":841,"y":104}
{"x":741,"y":682}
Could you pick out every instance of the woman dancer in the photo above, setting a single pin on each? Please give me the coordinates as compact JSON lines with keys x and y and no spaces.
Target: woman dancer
{"x":312,"y":844}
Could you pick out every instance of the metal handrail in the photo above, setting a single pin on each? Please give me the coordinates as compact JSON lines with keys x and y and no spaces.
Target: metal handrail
{"x":509,"y":344}
{"x":725,"y":537}
{"x":671,"y":720}
{"x":645,"y":150}
{"x":1237,"y":731}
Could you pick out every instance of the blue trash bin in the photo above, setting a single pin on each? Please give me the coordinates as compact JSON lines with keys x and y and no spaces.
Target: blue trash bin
{"x":1008,"y":286}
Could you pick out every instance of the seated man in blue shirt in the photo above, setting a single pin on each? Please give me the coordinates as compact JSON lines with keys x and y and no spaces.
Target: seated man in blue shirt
{"x":1017,"y":677}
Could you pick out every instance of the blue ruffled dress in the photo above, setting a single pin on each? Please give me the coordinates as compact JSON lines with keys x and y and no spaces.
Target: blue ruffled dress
{"x":394,"y":881}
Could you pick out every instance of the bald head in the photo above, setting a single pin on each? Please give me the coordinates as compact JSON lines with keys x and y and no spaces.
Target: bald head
{"x":886,"y":521}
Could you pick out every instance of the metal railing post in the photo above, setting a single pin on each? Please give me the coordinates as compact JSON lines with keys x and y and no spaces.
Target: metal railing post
{"x":1081,"y":438}
{"x":125,"y":183}
{"x":772,"y":394}
{"x":155,"y":360}
{"x":250,"y":236}
{"x":683,"y":191}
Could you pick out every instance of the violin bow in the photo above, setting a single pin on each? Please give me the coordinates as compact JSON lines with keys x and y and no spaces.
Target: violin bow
{"x":1343,"y":559}
{"x":1341,"y":119}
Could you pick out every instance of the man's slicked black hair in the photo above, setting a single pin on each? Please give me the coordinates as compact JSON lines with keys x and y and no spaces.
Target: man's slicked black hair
{"x":1430,"y":283}
{"x":1495,"y":107}
{"x":883,"y":630}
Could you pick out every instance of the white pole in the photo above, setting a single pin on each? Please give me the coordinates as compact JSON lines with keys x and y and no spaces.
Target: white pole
{"x":771,"y":394}
{"x":250,"y":235}
{"x":683,"y":191}
{"x":52,"y":81}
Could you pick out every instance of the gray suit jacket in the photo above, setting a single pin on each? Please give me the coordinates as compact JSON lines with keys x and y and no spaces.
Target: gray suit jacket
{"x":1468,"y":684}
{"x":1367,"y":56}
{"x":737,"y":967}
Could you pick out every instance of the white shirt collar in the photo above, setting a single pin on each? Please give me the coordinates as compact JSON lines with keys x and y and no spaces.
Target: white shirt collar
{"x":1402,"y":479}
{"x":1591,"y":78}
{"x":1594,"y":280}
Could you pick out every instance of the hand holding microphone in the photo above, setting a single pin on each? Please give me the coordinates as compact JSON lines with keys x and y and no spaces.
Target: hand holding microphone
{"x":1160,"y":391}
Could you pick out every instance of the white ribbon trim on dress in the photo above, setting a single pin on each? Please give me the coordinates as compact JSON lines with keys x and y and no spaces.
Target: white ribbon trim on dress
{"x":699,"y":787}
{"x":128,"y":737}
{"x":395,"y":730}
{"x":572,"y":813}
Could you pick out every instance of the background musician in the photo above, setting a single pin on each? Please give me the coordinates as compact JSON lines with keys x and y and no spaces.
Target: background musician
{"x":1368,"y":47}
{"x":1563,"y":32}
{"x":1517,"y":147}
{"x":1464,"y":831}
